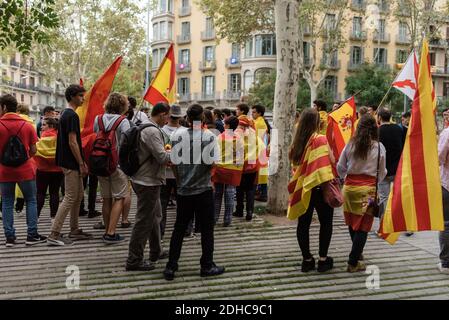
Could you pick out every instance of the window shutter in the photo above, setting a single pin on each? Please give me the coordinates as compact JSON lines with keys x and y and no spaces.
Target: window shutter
{"x":362,"y":55}
{"x":386,"y":56}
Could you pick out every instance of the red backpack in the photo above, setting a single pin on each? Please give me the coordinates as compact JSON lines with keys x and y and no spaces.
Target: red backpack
{"x":103,"y":160}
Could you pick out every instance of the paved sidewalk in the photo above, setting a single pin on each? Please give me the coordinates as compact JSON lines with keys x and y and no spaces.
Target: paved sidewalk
{"x":261,"y":259}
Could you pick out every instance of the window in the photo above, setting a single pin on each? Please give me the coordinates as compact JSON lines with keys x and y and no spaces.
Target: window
{"x":185,"y":29}
{"x":432,"y":56}
{"x":248,"y":80}
{"x":32,"y":62}
{"x":32,"y":82}
{"x":446,"y":89}
{"x":208,"y":85}
{"x":235,"y":51}
{"x":156,"y":31}
{"x":209,"y":53}
{"x":163,"y":30}
{"x":12,"y":76}
{"x":162,"y":5}
{"x":331,"y":84}
{"x":184,"y":56}
{"x":184,"y":86}
{"x":265,"y":45}
{"x":235,"y":81}
{"x":170,"y":31}
{"x":306,"y":52}
{"x":380,"y":56}
{"x":4,"y":73}
{"x":170,"y":6}
{"x":401,"y":56}
{"x":31,"y":100}
{"x":209,"y":25}
{"x":260,"y":73}
{"x":330,"y":22}
{"x":155,"y":58}
{"x":357,"y":26}
{"x":22,"y":98}
{"x":356,"y":55}
{"x":249,"y":48}
{"x":23,"y":79}
{"x":403,"y":31}
{"x":185,"y":3}
{"x":381,"y":27}
{"x":161,"y":55}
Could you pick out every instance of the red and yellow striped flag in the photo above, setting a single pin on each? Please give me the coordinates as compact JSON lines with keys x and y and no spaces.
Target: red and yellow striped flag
{"x":340,"y":127}
{"x":314,"y":169}
{"x":162,"y":88}
{"x":415,"y":203}
{"x":95,"y":98}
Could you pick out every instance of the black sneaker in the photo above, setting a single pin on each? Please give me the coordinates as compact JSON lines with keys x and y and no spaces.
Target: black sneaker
{"x":93,"y":214}
{"x":10,"y":242}
{"x":169,"y":273}
{"x":83,"y":213}
{"x":111,"y":239}
{"x":307,"y":266}
{"x":143,"y":266}
{"x":32,"y":240}
{"x":409,"y":234}
{"x":237,"y":214}
{"x":212,"y":271}
{"x":249,"y":216}
{"x":325,"y":265}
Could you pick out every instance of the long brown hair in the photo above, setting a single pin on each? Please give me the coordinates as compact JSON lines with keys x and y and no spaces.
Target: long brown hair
{"x":366,"y":133}
{"x":309,"y":123}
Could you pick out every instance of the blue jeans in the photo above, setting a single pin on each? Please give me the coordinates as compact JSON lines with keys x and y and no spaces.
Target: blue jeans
{"x":8,"y":196}
{"x":229,"y":192}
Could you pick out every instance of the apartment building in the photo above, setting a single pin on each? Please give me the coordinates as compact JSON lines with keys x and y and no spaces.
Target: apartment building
{"x":220,"y":74}
{"x":20,"y":77}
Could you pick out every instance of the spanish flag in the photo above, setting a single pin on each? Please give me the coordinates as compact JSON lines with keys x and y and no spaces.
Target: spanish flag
{"x":314,"y":169}
{"x":415,"y":203}
{"x":340,"y":126}
{"x":162,"y":88}
{"x":95,"y":98}
{"x":228,"y":170}
{"x":46,"y":152}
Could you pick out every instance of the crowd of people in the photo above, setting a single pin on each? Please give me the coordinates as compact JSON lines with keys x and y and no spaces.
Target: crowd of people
{"x":195,"y":158}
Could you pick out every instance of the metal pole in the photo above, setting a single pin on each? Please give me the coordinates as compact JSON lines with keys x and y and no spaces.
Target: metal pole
{"x":405,"y":103}
{"x":147,"y":67}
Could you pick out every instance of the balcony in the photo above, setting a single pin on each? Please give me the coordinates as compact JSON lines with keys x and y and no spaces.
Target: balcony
{"x":358,"y":5}
{"x":185,"y":97}
{"x":233,"y":63}
{"x":439,"y":43}
{"x":14,"y":63}
{"x":307,"y":62}
{"x":232,"y":95}
{"x":403,"y":40}
{"x":207,"y":96}
{"x":357,"y":35}
{"x":18,"y":85}
{"x":183,"y":67}
{"x":440,"y":71}
{"x":183,"y":39}
{"x":381,"y":37}
{"x":333,"y":65}
{"x":354,"y":65}
{"x":208,"y":35}
{"x":208,"y":65}
{"x":382,"y":65}
{"x":184,"y":11}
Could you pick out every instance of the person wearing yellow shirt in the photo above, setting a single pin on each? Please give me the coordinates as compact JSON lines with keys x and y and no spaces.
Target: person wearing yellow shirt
{"x":257,"y":112}
{"x":321,"y":107}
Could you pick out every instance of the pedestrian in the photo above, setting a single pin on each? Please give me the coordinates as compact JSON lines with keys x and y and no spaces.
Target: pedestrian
{"x":137,"y":116}
{"x":195,"y":193}
{"x":209,"y":121}
{"x":48,"y":175}
{"x":69,"y":156}
{"x":48,"y":112}
{"x":307,"y":145}
{"x":18,"y":140}
{"x":390,"y":135}
{"x":114,"y":188}
{"x":443,"y":155}
{"x":321,"y":107}
{"x":147,"y":184}
{"x":227,"y":173}
{"x":361,"y":164}
{"x":226,"y":113}
{"x":260,"y":124}
{"x":405,"y":120}
{"x":218,"y":117}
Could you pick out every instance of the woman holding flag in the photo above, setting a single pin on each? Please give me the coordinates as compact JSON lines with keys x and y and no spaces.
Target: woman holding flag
{"x":311,"y":155}
{"x":361,"y":164}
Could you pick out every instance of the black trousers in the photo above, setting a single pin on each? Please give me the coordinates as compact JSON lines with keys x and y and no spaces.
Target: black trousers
{"x":92,"y":197}
{"x":246,"y":189}
{"x":358,"y":244}
{"x":325,"y":216}
{"x":166,"y":191}
{"x":186,"y":207}
{"x":51,"y":181}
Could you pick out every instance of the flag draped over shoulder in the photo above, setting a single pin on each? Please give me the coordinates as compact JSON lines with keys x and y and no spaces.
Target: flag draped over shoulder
{"x":228,"y":170}
{"x":314,"y":169}
{"x":415,"y":202}
{"x":340,"y":126}
{"x":46,"y":151}
{"x":162,"y":88}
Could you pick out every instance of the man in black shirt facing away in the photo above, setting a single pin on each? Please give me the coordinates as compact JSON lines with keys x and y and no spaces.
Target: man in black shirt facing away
{"x":390,"y":135}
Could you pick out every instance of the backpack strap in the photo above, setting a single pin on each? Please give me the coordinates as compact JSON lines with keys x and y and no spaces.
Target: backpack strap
{"x":117,"y":123}
{"x":100,"y":122}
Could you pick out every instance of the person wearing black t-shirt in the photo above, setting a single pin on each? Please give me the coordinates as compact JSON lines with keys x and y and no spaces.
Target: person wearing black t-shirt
{"x":69,"y":156}
{"x":390,"y":135}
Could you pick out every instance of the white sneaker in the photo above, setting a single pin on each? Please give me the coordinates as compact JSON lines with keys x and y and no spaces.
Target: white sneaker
{"x":442,"y":269}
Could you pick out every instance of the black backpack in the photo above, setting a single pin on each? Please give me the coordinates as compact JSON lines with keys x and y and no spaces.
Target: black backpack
{"x":129,"y":149}
{"x":14,"y":152}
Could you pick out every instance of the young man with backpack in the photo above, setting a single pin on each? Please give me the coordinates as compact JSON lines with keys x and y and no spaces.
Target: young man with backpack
{"x":146,"y":145}
{"x":113,"y":182}
{"x":69,"y":156}
{"x":17,"y":145}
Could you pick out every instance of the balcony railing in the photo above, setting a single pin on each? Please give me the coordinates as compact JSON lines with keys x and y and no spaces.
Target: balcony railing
{"x":183,"y":67}
{"x":208,"y":35}
{"x":232,"y":95}
{"x":357,"y":35}
{"x":440,"y":71}
{"x":439,"y":43}
{"x":183,"y":38}
{"x":381,"y":37}
{"x":20,"y":85}
{"x":233,"y":63}
{"x":207,"y":96}
{"x":332,"y":65}
{"x":354,"y":65}
{"x":184,"y":97}
{"x":358,"y":5}
{"x":207,"y":65}
{"x":14,"y":63}
{"x":403,"y":40}
{"x":185,"y":11}
{"x":382,"y":65}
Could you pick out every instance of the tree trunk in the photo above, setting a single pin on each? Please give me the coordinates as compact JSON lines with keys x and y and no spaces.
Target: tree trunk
{"x":313,"y":92}
{"x":286,"y":89}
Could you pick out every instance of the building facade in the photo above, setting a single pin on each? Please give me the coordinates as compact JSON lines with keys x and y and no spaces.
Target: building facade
{"x":220,"y":73}
{"x":20,"y":77}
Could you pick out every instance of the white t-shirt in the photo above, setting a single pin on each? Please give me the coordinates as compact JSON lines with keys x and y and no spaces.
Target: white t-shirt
{"x":140,"y":117}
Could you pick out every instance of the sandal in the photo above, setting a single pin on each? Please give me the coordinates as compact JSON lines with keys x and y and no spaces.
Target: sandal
{"x":126,"y":224}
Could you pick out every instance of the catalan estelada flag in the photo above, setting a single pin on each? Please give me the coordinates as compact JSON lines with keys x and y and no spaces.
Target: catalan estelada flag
{"x":95,"y":98}
{"x":340,"y":126}
{"x":314,"y":169}
{"x":162,"y":88}
{"x":415,"y":202}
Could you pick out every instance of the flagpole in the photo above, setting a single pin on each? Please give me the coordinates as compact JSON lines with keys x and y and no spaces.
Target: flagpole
{"x":384,"y":98}
{"x":147,"y":64}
